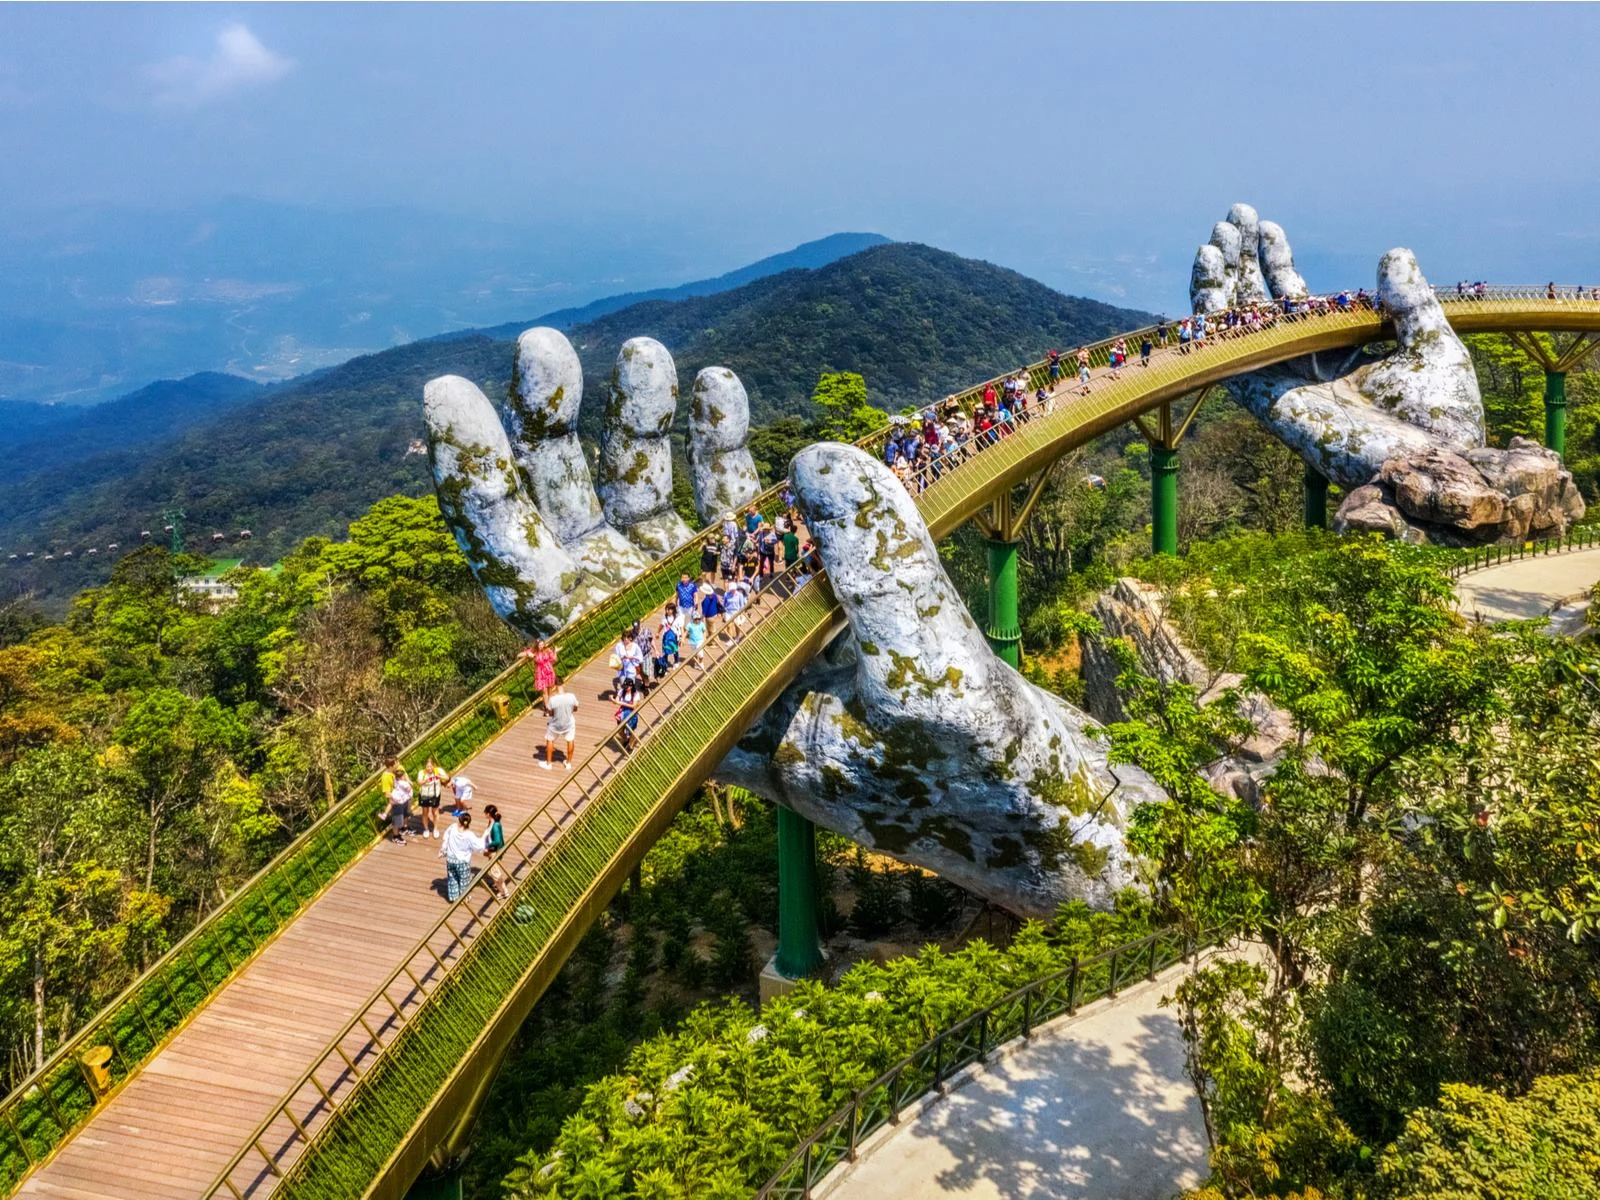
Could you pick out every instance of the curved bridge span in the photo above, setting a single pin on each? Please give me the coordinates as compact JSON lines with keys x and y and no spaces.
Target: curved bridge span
{"x":351,"y":1040}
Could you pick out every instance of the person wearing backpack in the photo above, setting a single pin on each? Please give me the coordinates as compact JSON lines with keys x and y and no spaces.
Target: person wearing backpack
{"x":710,"y":607}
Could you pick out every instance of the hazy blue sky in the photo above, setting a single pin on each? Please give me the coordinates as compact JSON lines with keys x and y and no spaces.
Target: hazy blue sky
{"x":1090,"y":147}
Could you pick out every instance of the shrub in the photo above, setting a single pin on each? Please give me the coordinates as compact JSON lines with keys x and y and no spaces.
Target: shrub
{"x":713,"y":1108}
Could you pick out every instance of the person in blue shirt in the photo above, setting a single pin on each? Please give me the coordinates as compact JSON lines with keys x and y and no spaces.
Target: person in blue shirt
{"x":686,"y":591}
{"x":710,"y":607}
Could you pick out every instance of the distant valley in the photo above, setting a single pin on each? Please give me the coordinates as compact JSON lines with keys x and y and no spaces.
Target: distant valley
{"x":308,"y":456}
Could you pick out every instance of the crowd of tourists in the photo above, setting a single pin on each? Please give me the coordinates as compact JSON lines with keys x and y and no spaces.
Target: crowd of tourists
{"x":747,"y":553}
{"x":740,"y":558}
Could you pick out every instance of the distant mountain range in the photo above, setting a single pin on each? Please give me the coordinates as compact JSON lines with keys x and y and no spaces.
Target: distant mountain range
{"x":307,"y":457}
{"x":807,"y":256}
{"x":98,"y":300}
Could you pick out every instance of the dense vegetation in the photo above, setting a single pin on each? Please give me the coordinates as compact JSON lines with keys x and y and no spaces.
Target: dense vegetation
{"x":695,"y":928}
{"x":154,"y":754}
{"x":714,"y":1107}
{"x":1418,"y":869}
{"x":1418,"y":864}
{"x":312,"y":456}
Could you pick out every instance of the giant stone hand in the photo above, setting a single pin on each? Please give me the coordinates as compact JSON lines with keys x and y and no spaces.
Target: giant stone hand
{"x":1402,"y":432}
{"x":544,"y":540}
{"x":913,"y":738}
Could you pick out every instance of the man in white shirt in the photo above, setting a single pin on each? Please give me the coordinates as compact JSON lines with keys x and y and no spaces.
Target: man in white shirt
{"x":563,"y":724}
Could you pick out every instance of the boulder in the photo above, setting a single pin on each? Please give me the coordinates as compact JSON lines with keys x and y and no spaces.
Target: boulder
{"x":1135,"y":611}
{"x":1440,"y":487}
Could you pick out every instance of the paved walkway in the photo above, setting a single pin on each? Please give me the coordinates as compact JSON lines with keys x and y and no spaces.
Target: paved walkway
{"x":1528,"y":587}
{"x":1094,"y":1106}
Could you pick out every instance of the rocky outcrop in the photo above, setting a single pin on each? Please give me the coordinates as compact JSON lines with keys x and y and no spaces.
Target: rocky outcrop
{"x":1135,"y":612}
{"x":1467,"y":498}
{"x":922,"y":744}
{"x":1401,"y":432}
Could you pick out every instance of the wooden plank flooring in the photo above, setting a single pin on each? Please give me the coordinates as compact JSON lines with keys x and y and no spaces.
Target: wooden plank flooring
{"x":175,"y":1126}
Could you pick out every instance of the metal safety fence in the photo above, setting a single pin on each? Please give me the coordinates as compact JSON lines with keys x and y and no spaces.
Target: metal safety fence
{"x":971,"y":1040}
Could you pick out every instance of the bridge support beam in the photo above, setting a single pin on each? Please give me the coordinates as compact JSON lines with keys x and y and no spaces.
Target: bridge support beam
{"x":1002,"y":528}
{"x":1163,"y":438}
{"x":799,"y":912}
{"x":1555,"y":411}
{"x":1163,"y":499}
{"x":1557,"y":360}
{"x":1004,"y":630}
{"x":1316,"y":493}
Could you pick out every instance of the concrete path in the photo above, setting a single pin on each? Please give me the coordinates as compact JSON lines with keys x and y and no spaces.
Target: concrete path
{"x":1528,"y":587}
{"x":1095,"y":1106}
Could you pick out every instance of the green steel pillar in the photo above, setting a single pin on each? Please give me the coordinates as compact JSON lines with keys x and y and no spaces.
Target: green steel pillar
{"x":1164,"y":499}
{"x":799,"y":932}
{"x":1004,"y":631}
{"x":436,"y":1185}
{"x":1555,"y":411}
{"x":1316,"y":498}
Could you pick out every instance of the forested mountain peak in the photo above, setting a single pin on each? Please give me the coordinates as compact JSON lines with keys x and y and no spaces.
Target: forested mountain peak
{"x":310,"y":456}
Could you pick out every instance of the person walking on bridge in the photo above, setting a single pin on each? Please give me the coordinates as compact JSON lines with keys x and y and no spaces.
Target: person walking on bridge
{"x":460,"y":844}
{"x":494,"y":841}
{"x":562,"y":725}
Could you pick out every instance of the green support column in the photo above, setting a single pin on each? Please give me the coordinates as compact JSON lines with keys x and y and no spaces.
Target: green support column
{"x":1316,"y":498}
{"x":1555,"y":411}
{"x":436,"y":1185}
{"x":799,"y":932}
{"x":1004,"y":631}
{"x":1164,"y":499}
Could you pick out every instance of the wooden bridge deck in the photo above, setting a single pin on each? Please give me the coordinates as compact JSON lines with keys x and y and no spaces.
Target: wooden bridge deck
{"x":169,"y":1132}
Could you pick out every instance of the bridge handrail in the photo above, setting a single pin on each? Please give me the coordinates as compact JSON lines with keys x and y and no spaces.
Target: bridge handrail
{"x":1579,"y":537}
{"x":969,"y":1040}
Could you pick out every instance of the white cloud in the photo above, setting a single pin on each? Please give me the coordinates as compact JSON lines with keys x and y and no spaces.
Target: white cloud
{"x":239,"y":61}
